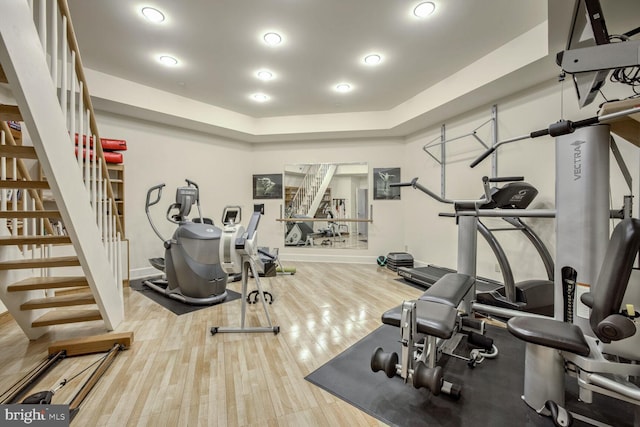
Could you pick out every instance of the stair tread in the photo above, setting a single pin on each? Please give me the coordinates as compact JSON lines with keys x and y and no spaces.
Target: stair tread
{"x":10,"y":113}
{"x":30,"y":240}
{"x":63,"y":261}
{"x":18,"y":151}
{"x":59,"y":317}
{"x":82,"y":298}
{"x":33,"y":283}
{"x":38,"y":185}
{"x":30,"y":214}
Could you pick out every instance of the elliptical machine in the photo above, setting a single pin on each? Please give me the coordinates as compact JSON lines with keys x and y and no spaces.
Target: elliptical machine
{"x":191,"y":265}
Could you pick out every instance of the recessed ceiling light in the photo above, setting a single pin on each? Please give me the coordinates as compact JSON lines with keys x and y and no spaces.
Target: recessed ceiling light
{"x":372,"y":59}
{"x":343,"y":87}
{"x":153,"y":15}
{"x":272,"y":39}
{"x":264,"y":75}
{"x":424,"y":9}
{"x":260,"y":97}
{"x":167,"y":60}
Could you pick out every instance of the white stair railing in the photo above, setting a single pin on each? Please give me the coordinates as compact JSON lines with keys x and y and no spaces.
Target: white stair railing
{"x":308,"y":189}
{"x":58,"y":40}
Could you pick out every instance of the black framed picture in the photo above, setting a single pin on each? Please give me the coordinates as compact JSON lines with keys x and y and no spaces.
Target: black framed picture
{"x":268,"y":186}
{"x":382,"y":178}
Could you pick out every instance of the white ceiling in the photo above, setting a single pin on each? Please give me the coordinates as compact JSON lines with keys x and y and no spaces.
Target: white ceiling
{"x":218,"y":44}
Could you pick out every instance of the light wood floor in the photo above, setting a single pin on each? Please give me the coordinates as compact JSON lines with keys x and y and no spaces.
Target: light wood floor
{"x":177,"y":374}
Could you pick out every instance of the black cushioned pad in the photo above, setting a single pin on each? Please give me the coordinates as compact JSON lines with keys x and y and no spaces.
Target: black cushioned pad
{"x":449,"y":289}
{"x":549,"y":333}
{"x":432,"y":318}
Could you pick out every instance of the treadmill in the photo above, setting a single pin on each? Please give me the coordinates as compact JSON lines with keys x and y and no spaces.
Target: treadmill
{"x":530,"y":295}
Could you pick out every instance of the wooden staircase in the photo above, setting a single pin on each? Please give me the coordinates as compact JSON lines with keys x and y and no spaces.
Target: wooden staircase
{"x":76,"y":288}
{"x":60,"y":258}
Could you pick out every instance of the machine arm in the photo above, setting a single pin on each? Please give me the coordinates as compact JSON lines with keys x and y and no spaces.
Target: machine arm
{"x":562,"y":127}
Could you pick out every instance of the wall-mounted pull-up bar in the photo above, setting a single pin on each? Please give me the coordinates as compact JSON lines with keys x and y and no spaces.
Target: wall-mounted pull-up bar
{"x":441,"y":142}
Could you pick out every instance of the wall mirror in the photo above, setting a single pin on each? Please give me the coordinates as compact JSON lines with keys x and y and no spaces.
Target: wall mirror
{"x":327,"y":205}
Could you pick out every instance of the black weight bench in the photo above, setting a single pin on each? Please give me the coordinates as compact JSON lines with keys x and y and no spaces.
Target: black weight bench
{"x":429,"y":328}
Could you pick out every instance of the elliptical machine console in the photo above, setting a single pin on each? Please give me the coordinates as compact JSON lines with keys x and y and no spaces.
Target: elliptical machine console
{"x":192,"y":271}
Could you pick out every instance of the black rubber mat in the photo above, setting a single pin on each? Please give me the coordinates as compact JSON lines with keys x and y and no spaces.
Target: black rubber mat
{"x":173,"y":305}
{"x":490,"y":392}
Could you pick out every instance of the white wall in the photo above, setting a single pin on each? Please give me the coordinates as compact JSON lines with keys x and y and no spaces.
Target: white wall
{"x":160,"y":154}
{"x":224,"y":170}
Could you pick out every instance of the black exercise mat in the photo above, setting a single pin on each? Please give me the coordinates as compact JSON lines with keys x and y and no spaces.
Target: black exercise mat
{"x":490,"y":392}
{"x":173,"y":305}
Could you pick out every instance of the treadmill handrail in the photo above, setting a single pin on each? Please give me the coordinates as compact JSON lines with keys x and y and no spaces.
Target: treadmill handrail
{"x":476,"y":202}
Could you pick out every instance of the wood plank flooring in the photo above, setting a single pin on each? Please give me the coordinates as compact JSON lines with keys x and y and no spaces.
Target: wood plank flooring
{"x":177,"y":374}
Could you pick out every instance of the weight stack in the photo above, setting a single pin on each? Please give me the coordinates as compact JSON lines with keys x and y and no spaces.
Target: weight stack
{"x":399,"y":259}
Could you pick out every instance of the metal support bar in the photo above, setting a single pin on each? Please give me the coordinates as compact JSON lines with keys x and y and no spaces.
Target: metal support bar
{"x":248,"y":264}
{"x":621,"y":164}
{"x":443,"y":163}
{"x":494,"y":140}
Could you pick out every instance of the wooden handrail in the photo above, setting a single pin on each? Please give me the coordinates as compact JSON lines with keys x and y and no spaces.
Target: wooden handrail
{"x":24,"y":173}
{"x":73,"y":45}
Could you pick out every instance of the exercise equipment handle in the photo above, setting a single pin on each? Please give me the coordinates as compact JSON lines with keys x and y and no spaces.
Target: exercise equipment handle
{"x":189,"y":182}
{"x":159,"y":188}
{"x":506,"y":179}
{"x":149,"y":203}
{"x":414,"y":183}
{"x":483,"y":156}
{"x":561,"y":127}
{"x":267,"y":254}
{"x":170,"y":217}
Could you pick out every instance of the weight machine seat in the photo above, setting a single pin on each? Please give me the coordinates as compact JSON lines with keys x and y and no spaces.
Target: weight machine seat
{"x":605,"y":300}
{"x":436,"y":312}
{"x":432,"y":318}
{"x":549,"y":333}
{"x":450,"y":289}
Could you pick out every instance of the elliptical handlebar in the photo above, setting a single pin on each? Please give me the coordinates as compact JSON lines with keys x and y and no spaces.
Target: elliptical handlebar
{"x":149,"y":203}
{"x":189,"y":182}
